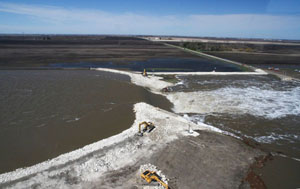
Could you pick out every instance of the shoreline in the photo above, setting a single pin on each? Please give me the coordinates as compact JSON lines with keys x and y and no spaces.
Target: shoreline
{"x":92,"y":162}
{"x":174,"y":131}
{"x":256,"y":72}
{"x":109,"y":157}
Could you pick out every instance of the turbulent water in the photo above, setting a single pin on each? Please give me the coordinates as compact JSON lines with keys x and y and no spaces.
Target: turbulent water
{"x":45,"y":113}
{"x":269,"y":100}
{"x":261,"y":108}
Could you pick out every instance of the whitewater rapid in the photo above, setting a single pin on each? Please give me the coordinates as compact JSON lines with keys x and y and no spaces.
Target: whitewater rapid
{"x":261,"y":101}
{"x":255,"y":101}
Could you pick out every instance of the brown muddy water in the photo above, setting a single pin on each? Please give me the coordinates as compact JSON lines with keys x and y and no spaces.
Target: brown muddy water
{"x":259,"y":108}
{"x":44,"y":113}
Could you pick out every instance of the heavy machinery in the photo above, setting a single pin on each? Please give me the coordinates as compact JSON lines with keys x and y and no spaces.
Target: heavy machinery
{"x":147,"y":128}
{"x":145,"y":73}
{"x":150,"y":176}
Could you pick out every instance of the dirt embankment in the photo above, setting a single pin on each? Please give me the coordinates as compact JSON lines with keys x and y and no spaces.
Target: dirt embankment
{"x":282,"y":59}
{"x":260,"y":58}
{"x":203,"y":159}
{"x":248,"y":53}
{"x":209,"y":160}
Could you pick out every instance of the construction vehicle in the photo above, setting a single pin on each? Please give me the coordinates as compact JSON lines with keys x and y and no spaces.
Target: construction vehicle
{"x":150,"y":176}
{"x":145,"y":73}
{"x":147,"y":128}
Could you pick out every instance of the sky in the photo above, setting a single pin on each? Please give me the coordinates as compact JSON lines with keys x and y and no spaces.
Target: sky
{"x":270,"y":19}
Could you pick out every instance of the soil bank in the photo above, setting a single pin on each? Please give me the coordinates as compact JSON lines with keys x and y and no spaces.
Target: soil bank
{"x":204,"y":158}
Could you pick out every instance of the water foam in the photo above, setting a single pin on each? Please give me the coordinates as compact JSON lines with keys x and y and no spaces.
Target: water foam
{"x":275,"y":137}
{"x":200,"y":120}
{"x":270,"y":104}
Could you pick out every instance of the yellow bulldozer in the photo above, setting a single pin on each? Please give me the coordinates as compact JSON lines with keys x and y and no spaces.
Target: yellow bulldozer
{"x":148,"y":127}
{"x":150,"y":176}
{"x":145,"y":73}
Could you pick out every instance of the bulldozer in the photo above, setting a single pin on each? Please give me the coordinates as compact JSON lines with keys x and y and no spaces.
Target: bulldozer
{"x":150,"y":176}
{"x":145,"y":73}
{"x":147,"y":128}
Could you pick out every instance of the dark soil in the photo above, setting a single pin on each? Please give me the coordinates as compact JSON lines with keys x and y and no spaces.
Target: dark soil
{"x":259,"y":59}
{"x":40,"y":50}
{"x":208,"y":161}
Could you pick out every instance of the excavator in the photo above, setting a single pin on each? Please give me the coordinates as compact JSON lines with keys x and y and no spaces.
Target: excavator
{"x":148,"y":127}
{"x":150,"y":176}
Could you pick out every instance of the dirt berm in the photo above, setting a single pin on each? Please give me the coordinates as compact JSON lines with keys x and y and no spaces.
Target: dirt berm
{"x":205,"y":158}
{"x":210,"y":160}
